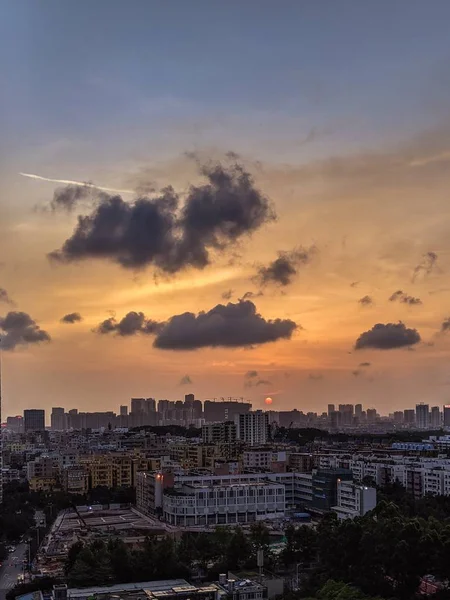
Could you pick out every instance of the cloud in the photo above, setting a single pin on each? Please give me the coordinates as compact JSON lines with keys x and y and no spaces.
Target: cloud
{"x":356,"y":372}
{"x":19,"y":329}
{"x":365,"y":364}
{"x":131,"y":324}
{"x":365,"y":301}
{"x":445,"y":326}
{"x":354,"y":284}
{"x":283,"y":269}
{"x":4,"y":297}
{"x":251,"y":374}
{"x":315,"y":376}
{"x":387,"y":337}
{"x":72,"y":318}
{"x":67,"y":198}
{"x":231,"y":325}
{"x":251,"y":295}
{"x":157,"y":232}
{"x":404,"y":298}
{"x":227,"y":295}
{"x":263,"y":382}
{"x":186,"y":380}
{"x":426,"y":265}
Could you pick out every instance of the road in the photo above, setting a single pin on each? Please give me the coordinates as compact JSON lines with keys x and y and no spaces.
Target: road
{"x":11,"y":569}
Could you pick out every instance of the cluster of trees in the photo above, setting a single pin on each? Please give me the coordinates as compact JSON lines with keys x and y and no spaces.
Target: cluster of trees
{"x":102,"y":562}
{"x":384,"y":553}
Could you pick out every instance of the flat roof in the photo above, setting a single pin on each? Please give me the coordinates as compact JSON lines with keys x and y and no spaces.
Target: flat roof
{"x":150,"y":586}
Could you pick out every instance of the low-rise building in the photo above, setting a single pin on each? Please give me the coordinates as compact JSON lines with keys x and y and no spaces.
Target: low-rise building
{"x":354,"y":500}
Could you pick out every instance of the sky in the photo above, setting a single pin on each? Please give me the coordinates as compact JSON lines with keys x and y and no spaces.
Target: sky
{"x":271,"y":216}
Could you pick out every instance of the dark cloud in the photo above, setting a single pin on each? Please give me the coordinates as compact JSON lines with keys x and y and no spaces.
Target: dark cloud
{"x":251,"y":295}
{"x":251,"y":374}
{"x":445,"y":326}
{"x":263,"y":382}
{"x":72,"y":318}
{"x":283,"y":269}
{"x":387,"y":337}
{"x":365,"y":364}
{"x":68,"y":197}
{"x":227,"y":295}
{"x":354,"y":284}
{"x":404,"y":298}
{"x":132,"y":323}
{"x":365,"y":301}
{"x":356,"y":373}
{"x":19,"y":329}
{"x":426,"y":265}
{"x":186,"y":380}
{"x":231,"y":325}
{"x":157,"y":232}
{"x":315,"y":376}
{"x":4,"y":297}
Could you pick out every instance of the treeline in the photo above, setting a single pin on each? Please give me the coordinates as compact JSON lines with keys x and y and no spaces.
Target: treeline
{"x":384,"y":553}
{"x":19,"y":505}
{"x":204,"y":554}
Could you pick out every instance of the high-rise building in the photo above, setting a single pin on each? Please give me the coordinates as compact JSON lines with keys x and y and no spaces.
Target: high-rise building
{"x":358,"y":410}
{"x":371,"y":415}
{"x":409,"y":416}
{"x":422,"y":416}
{"x":398,"y":416}
{"x":34,"y":419}
{"x":446,"y":415}
{"x":124,"y":410}
{"x":150,"y":406}
{"x":219,"y":433}
{"x":58,"y":419}
{"x":224,"y":411}
{"x":435,"y":418}
{"x":346,"y":411}
{"x":137,"y":405}
{"x":331,"y":409}
{"x":253,"y":427}
{"x":15,"y":424}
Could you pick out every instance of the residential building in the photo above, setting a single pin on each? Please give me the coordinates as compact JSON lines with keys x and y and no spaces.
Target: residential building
{"x":253,"y":427}
{"x":75,"y":479}
{"x":223,"y":411}
{"x":422,"y":416}
{"x":34,"y":419}
{"x":435,"y":417}
{"x":446,"y":415}
{"x":354,"y":500}
{"x":219,"y":433}
{"x":409,"y":416}
{"x":58,"y":419}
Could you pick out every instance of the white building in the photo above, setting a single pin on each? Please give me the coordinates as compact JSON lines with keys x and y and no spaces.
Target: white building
{"x":194,"y":505}
{"x":253,"y":427}
{"x":262,"y":458}
{"x":354,"y":500}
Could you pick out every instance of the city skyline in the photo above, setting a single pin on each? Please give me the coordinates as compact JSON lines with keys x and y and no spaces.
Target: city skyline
{"x":303,"y":252}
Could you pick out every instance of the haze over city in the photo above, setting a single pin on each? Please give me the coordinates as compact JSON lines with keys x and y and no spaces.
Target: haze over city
{"x":224,"y":200}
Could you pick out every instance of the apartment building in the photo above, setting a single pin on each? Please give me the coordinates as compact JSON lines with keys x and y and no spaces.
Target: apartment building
{"x":264,"y":458}
{"x":219,"y":433}
{"x":192,"y":456}
{"x":253,"y":427}
{"x":354,"y":500}
{"x":75,"y":479}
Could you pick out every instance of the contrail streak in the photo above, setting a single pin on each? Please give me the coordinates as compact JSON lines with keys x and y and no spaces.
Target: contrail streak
{"x":80,"y":183}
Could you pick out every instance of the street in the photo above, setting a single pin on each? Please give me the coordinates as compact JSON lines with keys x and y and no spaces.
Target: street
{"x":11,"y":569}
